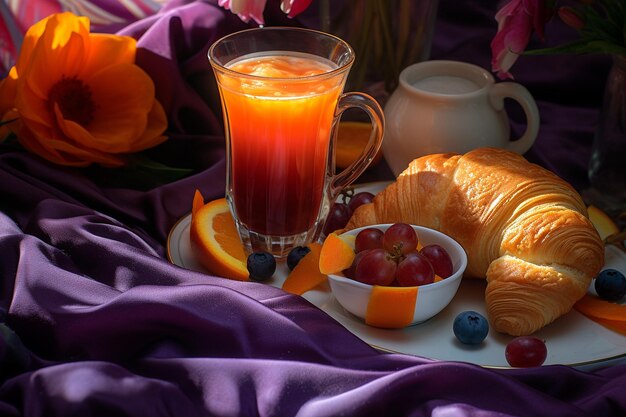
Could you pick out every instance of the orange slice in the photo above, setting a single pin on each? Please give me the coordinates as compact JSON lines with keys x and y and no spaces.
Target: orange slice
{"x":337,"y":253}
{"x":391,"y":307}
{"x":602,"y":222}
{"x":306,"y":275}
{"x":352,"y":137}
{"x":610,"y":315}
{"x":215,"y":240}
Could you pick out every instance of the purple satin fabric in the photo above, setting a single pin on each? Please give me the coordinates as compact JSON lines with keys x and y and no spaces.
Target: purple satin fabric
{"x":114,"y":329}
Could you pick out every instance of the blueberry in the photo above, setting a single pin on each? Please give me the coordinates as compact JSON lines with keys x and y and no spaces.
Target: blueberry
{"x":470,"y":327}
{"x":261,"y":266}
{"x":295,"y":255}
{"x":611,"y":285}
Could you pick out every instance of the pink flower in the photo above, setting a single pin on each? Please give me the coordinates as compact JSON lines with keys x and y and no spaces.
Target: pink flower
{"x":571,"y":17}
{"x":247,"y":9}
{"x":516,"y":21}
{"x":294,"y":7}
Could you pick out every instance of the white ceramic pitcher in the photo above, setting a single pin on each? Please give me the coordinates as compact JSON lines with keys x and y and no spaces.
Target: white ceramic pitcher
{"x":452,"y":106}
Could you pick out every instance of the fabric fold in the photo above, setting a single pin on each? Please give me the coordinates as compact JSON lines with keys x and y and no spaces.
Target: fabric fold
{"x":112,"y":328}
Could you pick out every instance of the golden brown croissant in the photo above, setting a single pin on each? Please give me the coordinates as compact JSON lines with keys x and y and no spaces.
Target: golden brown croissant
{"x":523,"y":228}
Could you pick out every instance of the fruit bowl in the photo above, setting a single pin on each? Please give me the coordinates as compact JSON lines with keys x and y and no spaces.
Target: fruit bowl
{"x":358,"y":298}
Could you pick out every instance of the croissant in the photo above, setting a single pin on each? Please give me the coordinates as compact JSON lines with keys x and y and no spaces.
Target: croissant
{"x":524,"y":229}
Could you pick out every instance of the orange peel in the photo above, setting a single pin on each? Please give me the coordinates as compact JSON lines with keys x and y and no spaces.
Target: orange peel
{"x":337,"y":253}
{"x":306,"y":275}
{"x":215,"y":241}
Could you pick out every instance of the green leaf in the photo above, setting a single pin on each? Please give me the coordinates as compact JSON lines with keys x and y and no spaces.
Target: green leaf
{"x":140,"y":172}
{"x":142,"y":163}
{"x":581,"y":47}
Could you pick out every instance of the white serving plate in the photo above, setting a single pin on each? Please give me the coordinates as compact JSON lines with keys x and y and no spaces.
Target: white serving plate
{"x":572,"y":340}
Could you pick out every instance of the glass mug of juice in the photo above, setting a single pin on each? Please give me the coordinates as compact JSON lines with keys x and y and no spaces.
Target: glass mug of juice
{"x":282,"y":96}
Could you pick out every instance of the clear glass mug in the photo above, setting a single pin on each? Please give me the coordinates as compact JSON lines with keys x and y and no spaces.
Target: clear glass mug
{"x":282,"y":97}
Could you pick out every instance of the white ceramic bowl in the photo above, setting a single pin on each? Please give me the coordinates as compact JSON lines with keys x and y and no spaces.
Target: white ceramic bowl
{"x":432,"y":298}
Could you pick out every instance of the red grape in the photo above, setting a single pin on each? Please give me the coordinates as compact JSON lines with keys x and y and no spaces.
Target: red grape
{"x":439,"y":259}
{"x":526,"y":352}
{"x":370,"y":238}
{"x":337,"y":218}
{"x":399,"y":239}
{"x":349,"y":272}
{"x":376,"y":267}
{"x":359,"y":199}
{"x":414,"y":270}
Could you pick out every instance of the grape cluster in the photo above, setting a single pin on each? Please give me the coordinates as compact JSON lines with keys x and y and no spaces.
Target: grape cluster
{"x":341,"y":211}
{"x":391,"y":258}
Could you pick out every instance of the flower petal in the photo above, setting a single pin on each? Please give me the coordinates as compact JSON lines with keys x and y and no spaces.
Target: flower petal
{"x":246,"y":9}
{"x":73,"y":148}
{"x":509,"y":9}
{"x":32,"y":36}
{"x":518,"y":34}
{"x":124,"y":95}
{"x":62,"y":26}
{"x":32,"y":107}
{"x":68,"y":61}
{"x":8,"y":90}
{"x":540,"y":12}
{"x":153,"y":135}
{"x":8,"y":128}
{"x":106,"y":50}
{"x":294,"y":7}
{"x":37,"y":139}
{"x":53,"y":32}
{"x":514,"y":30}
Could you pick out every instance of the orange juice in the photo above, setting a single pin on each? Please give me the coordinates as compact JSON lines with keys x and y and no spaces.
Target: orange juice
{"x":279,"y":138}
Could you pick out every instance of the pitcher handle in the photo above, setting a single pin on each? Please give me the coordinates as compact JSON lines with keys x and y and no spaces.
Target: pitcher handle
{"x":519,"y":93}
{"x":377,"y":118}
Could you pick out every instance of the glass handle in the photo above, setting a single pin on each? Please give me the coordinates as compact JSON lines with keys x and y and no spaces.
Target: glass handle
{"x":377,"y":118}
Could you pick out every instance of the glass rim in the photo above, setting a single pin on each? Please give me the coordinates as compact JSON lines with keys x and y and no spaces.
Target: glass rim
{"x":329,"y":74}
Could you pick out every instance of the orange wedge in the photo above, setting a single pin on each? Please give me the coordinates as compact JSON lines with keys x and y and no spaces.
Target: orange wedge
{"x":608,"y":314}
{"x":215,"y":240}
{"x":337,"y":253}
{"x":602,"y":222}
{"x":352,"y":137}
{"x":306,"y":275}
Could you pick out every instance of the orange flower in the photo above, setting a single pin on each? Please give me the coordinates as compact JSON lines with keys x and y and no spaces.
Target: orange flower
{"x":78,"y":97}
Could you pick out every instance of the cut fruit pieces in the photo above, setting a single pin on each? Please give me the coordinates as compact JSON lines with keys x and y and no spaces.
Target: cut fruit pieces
{"x":608,"y":314}
{"x":215,"y":240}
{"x":337,"y":253}
{"x":306,"y":275}
{"x":602,"y":222}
